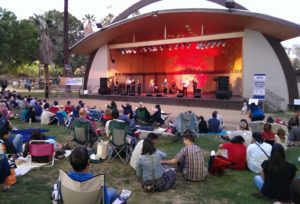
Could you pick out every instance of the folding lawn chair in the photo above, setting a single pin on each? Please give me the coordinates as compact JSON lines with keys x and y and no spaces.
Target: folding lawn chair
{"x":39,"y":148}
{"x":118,"y":143}
{"x":81,"y":133}
{"x":73,"y":192}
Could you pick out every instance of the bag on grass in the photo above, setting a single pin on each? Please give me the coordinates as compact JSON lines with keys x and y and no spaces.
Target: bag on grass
{"x":102,"y":148}
{"x":218,"y":164}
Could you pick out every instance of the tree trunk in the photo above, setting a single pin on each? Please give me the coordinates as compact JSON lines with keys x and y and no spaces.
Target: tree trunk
{"x":67,"y":70}
{"x":46,"y":82}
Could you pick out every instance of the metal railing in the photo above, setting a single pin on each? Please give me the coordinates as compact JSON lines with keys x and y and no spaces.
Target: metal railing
{"x":273,"y":101}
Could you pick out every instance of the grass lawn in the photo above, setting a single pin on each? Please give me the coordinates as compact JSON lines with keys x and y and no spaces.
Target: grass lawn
{"x":233,"y":187}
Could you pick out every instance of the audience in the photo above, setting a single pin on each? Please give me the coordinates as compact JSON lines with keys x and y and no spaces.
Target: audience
{"x":202,"y":125}
{"x":156,"y":117}
{"x":281,"y":138}
{"x":190,"y":160}
{"x":276,"y":176}
{"x":142,"y":114}
{"x":214,"y":124}
{"x":47,"y":117}
{"x":294,"y":136}
{"x":138,"y":149}
{"x":257,"y":152}
{"x":242,"y":131}
{"x":79,"y":160}
{"x":235,"y":151}
{"x":152,"y":174}
{"x":267,"y":134}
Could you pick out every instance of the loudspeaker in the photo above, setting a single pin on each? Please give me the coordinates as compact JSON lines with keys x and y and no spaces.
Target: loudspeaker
{"x":197,"y":95}
{"x":223,"y":83}
{"x":224,"y":94}
{"x":103,"y":91}
{"x":103,"y":82}
{"x":148,"y":94}
{"x":131,"y":94}
{"x":180,"y":95}
{"x":123,"y":93}
{"x":198,"y":91}
{"x":159,"y":95}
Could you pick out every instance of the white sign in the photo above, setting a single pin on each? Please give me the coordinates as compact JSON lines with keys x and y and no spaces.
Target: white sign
{"x":297,"y":102}
{"x":259,"y":88}
{"x":253,"y":100}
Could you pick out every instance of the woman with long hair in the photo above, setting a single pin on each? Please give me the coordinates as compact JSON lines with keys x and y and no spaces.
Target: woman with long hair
{"x":277,"y":175}
{"x":153,"y":175}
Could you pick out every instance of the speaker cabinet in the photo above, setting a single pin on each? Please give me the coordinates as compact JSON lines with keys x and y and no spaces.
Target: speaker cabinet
{"x":148,"y":94}
{"x":103,"y":82}
{"x":131,"y":94}
{"x":159,"y":95}
{"x":180,"y":95}
{"x":224,"y":94}
{"x":197,"y":95}
{"x":103,"y":91}
{"x":223,"y":83}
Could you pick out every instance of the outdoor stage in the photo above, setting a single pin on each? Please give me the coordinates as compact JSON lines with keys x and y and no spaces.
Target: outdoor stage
{"x":207,"y":100}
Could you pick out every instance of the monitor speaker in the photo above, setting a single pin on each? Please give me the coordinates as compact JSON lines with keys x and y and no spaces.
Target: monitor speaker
{"x":180,"y":95}
{"x":103,"y":82}
{"x":197,"y":95}
{"x":103,"y":91}
{"x":148,"y":94}
{"x":159,"y":95}
{"x":131,"y":94}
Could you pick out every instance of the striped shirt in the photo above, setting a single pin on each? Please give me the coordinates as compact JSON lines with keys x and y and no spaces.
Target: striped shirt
{"x":194,"y":169}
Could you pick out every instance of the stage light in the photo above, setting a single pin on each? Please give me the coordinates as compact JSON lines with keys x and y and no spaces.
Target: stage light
{"x":170,"y":47}
{"x":213,"y":44}
{"x":150,"y":49}
{"x":189,"y":45}
{"x":218,"y":43}
{"x":182,"y":45}
{"x":161,"y":48}
{"x":122,"y":52}
{"x":176,"y":46}
{"x":145,"y":50}
{"x":134,"y":51}
{"x":223,"y":44}
{"x":207,"y":45}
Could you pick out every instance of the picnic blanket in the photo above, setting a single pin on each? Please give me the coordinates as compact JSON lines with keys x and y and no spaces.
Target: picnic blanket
{"x":23,"y":164}
{"x":26,"y":133}
{"x":223,"y":132}
{"x":26,"y":138}
{"x":159,"y":131}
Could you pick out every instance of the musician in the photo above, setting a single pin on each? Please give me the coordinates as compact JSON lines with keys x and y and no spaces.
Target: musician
{"x":185,"y":84}
{"x":132,"y":86}
{"x":165,"y":86}
{"x":128,"y":83}
{"x":151,"y":85}
{"x":173,"y":88}
{"x":195,"y":83}
{"x":117,"y":88}
{"x":139,"y":87}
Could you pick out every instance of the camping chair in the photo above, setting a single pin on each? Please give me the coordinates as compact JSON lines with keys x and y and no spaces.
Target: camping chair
{"x":39,"y":148}
{"x":73,"y":192}
{"x":94,"y":114}
{"x":81,"y":133}
{"x":118,"y":141}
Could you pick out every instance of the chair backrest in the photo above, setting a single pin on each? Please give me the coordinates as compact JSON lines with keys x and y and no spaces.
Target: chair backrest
{"x":119,"y":130}
{"x":81,"y":131}
{"x":41,"y":148}
{"x":60,"y":117}
{"x":90,"y":191}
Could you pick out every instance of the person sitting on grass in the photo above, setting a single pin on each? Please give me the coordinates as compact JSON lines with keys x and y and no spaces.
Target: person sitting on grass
{"x":242,"y":131}
{"x":234,"y":151}
{"x":214,"y":124}
{"x":202,"y":125}
{"x":257,"y":152}
{"x":47,"y":117}
{"x":276,"y":176}
{"x":152,"y":174}
{"x":142,"y":114}
{"x":281,"y":138}
{"x":11,"y":148}
{"x":79,"y":160}
{"x":137,"y":151}
{"x":190,"y":160}
{"x":156,"y":117}
{"x":267,"y":134}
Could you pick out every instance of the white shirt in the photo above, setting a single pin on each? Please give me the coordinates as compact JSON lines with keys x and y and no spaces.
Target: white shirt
{"x":246,"y":134}
{"x":185,"y":83}
{"x":255,"y":156}
{"x":45,"y":117}
{"x":283,"y":143}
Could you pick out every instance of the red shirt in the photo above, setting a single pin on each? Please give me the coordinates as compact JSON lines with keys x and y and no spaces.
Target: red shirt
{"x":236,"y":153}
{"x":268,"y":135}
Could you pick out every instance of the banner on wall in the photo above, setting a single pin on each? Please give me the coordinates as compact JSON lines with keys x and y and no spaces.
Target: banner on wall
{"x":71,"y":81}
{"x":259,"y":87}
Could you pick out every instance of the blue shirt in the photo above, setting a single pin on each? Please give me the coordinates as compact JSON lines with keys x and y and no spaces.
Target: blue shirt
{"x":78,"y":176}
{"x":214,"y":125}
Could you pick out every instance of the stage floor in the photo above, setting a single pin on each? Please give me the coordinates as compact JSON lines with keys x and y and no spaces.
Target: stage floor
{"x":207,"y":100}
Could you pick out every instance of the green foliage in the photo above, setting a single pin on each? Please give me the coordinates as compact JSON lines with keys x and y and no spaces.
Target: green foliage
{"x":107,"y":19}
{"x":18,"y":41}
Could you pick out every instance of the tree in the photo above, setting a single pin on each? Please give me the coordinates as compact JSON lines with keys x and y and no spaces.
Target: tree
{"x":46,"y":47}
{"x":296,"y":63}
{"x":55,"y":32}
{"x":18,"y":41}
{"x":107,"y":19}
{"x":89,"y":20}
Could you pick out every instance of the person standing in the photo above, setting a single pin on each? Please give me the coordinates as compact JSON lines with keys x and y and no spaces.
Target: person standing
{"x":128,"y":84}
{"x":151,"y":86}
{"x":165,"y":86}
{"x":139,"y":87}
{"x":185,"y":86}
{"x":195,"y":83}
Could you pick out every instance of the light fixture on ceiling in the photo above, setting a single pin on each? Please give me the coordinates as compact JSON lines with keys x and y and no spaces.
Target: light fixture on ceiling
{"x":230,"y":4}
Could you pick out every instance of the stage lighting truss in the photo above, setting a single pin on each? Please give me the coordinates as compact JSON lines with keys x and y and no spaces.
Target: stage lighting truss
{"x":180,"y":46}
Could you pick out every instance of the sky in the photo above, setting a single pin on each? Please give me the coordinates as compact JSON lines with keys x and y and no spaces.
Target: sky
{"x":287,"y":9}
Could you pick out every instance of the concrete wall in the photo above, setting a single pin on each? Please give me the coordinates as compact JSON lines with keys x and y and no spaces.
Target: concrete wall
{"x":99,"y":68}
{"x":259,"y":57}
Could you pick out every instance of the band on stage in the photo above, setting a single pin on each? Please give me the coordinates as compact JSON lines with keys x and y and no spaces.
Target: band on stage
{"x":133,"y":86}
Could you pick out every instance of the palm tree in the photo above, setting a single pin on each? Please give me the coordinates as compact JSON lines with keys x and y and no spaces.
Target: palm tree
{"x":46,"y":48}
{"x":89,"y":19}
